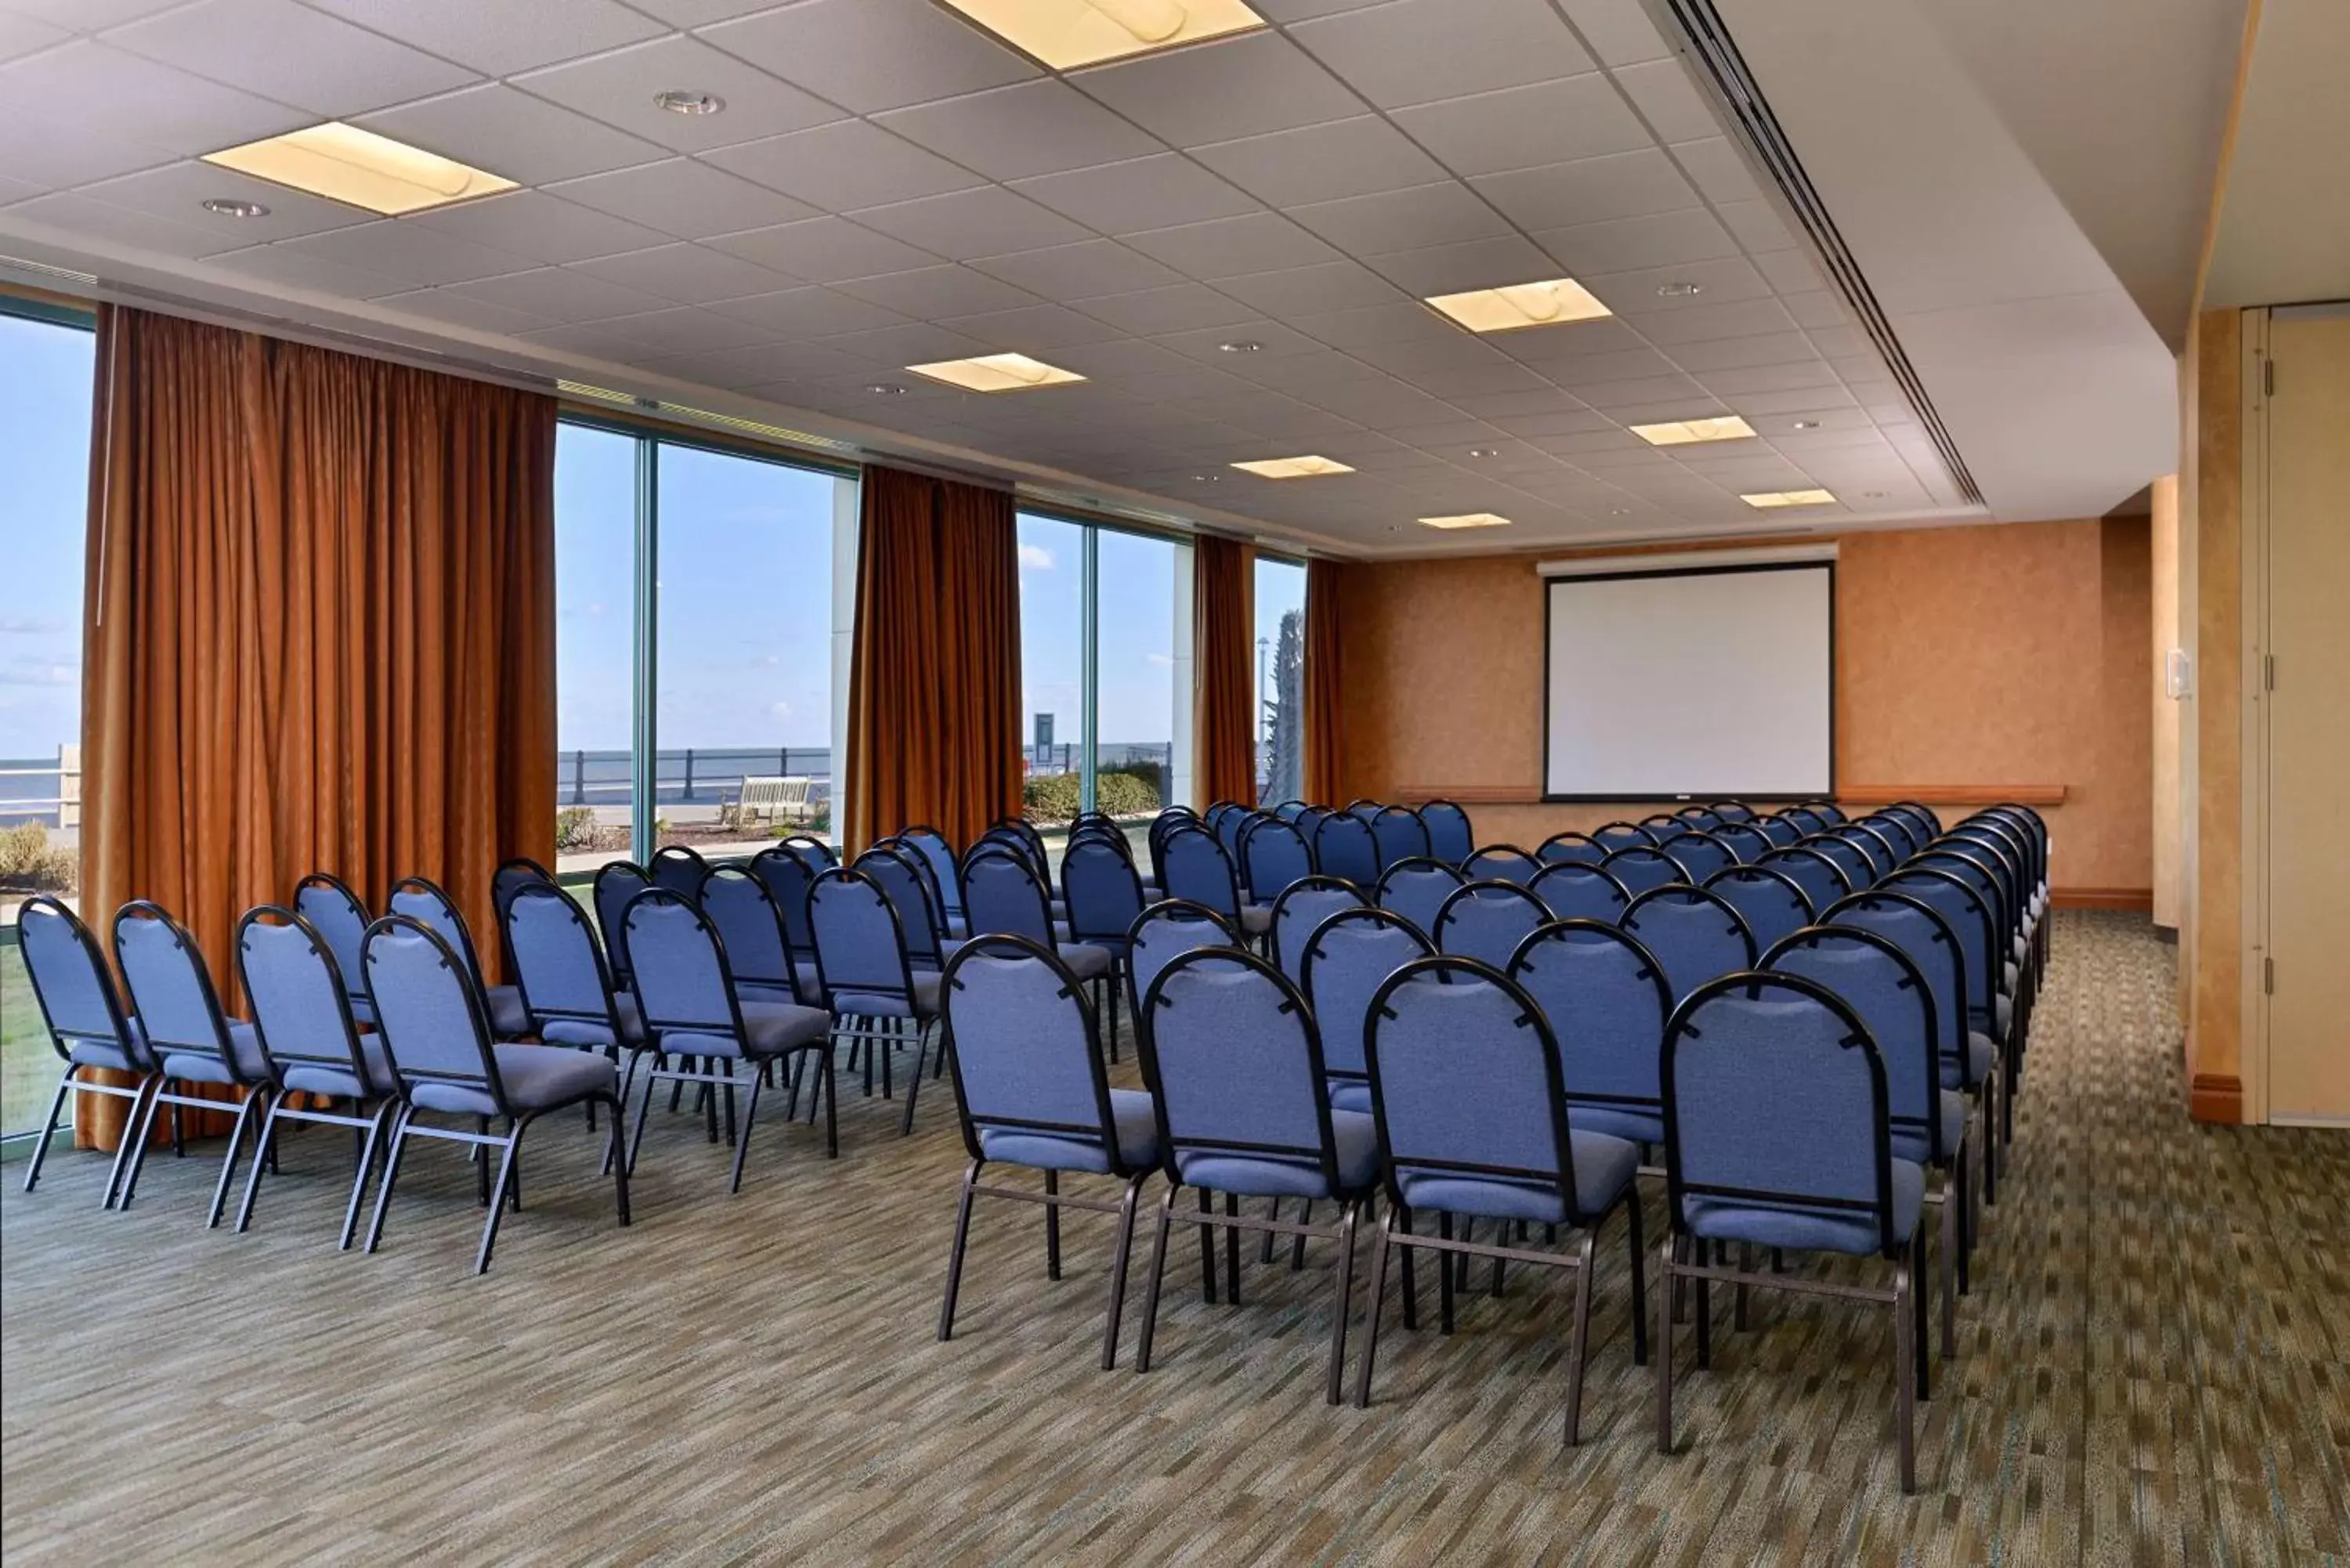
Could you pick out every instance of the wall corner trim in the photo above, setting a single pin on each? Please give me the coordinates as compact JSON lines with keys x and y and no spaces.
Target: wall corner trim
{"x":2216,"y":1097}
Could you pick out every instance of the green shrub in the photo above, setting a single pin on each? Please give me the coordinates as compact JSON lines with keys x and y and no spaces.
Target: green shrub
{"x":575,"y":827}
{"x":1150,"y":777}
{"x":27,"y":864}
{"x":1051,"y":800}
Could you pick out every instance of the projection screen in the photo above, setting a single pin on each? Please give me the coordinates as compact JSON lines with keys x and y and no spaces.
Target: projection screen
{"x":1691,"y":684}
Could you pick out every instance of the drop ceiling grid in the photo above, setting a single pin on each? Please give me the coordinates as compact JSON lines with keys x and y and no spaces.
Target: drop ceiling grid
{"x":816,"y":251}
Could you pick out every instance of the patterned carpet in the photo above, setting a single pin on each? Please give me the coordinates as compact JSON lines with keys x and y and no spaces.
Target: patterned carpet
{"x":2153,"y":1368}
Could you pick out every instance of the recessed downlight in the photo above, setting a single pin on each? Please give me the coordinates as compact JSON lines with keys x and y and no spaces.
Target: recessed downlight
{"x":1767,"y":499}
{"x":1483,"y":451}
{"x":1292,"y":467}
{"x":1239,"y":346}
{"x":686,"y":100}
{"x":887,"y":390}
{"x":228,"y":207}
{"x":1678,"y":289}
{"x":1513,"y":308}
{"x":1065,"y":34}
{"x":1807,"y":424}
{"x":1467,"y":520}
{"x":343,"y":163}
{"x":996,"y":373}
{"x":1682,"y":433}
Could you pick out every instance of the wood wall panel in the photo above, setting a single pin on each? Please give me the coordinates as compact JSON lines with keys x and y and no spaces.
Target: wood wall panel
{"x":1965,"y":657}
{"x":2215,"y":1027}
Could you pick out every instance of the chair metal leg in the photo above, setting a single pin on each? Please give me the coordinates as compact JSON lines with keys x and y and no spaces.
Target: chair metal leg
{"x":1954,"y":1201}
{"x":1701,"y":1292}
{"x":1905,"y":1392}
{"x":140,"y":1132}
{"x":1380,"y":1245}
{"x":1663,"y":1350}
{"x":1123,"y":1248}
{"x":391,"y":1175}
{"x":619,"y":1169}
{"x":374,"y":1136}
{"x":1411,"y":1284}
{"x":749,"y":1114}
{"x":254,"y":1097}
{"x":954,"y":1254}
{"x":1158,"y":1273}
{"x":1444,"y":1275}
{"x":1207,"y":1249}
{"x":1272,"y":1211}
{"x":1231,"y":1251}
{"x":1638,"y":1261}
{"x":1297,"y":1242}
{"x":124,"y":1146}
{"x":1052,"y":1226}
{"x":644,"y":1112}
{"x":1921,"y":1288}
{"x":1345,"y":1307}
{"x":1738,"y":1293}
{"x":1579,"y":1340}
{"x":49,"y":1125}
{"x":481,"y":1164}
{"x":260,"y":1164}
{"x":914,"y":1079}
{"x":831,"y":1086}
{"x":498,"y":1194}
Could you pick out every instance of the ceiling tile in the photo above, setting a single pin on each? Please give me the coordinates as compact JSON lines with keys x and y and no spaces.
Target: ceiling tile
{"x":143,"y":102}
{"x":561,"y":293}
{"x":1123,"y":361}
{"x":872,"y":55}
{"x":463,"y":310}
{"x":1243,"y":86}
{"x":291,"y":54}
{"x":88,"y":15}
{"x":1027,"y":129}
{"x":1668,"y":101}
{"x":766,"y":363}
{"x":1638,"y":293}
{"x":1545,"y":346}
{"x":1758,"y":226}
{"x":543,"y":227}
{"x":502,"y":39}
{"x":1589,"y":189}
{"x":1816,"y":308}
{"x":1624,"y":245}
{"x":56,"y":153}
{"x":1694,"y":323}
{"x":1545,"y":429}
{"x":685,"y":197}
{"x":80,"y":216}
{"x":412,"y":252}
{"x":1408,"y":322}
{"x":293,"y":269}
{"x":1831,"y":340}
{"x":1173,"y":309}
{"x":1293,"y":290}
{"x":681,"y":329}
{"x":686,"y":274}
{"x":1478,"y":264}
{"x":1527,"y":127}
{"x":619,"y":88}
{"x":1781,"y":378}
{"x":1798,"y":399}
{"x":1790,"y":272}
{"x":23,"y":35}
{"x":965,"y":225}
{"x":823,"y":250}
{"x":928,"y":293}
{"x":1144,"y":193}
{"x":1227,"y":247}
{"x":1499,"y":377}
{"x":844,"y":165}
{"x":1406,"y":219}
{"x":1419,"y":361}
{"x":179,"y":191}
{"x":1271,"y":338}
{"x":1032,"y":328}
{"x":1415,"y":51}
{"x":509,"y":133}
{"x":591,"y":341}
{"x":1598,"y":369}
{"x":809,"y":312}
{"x":1718,"y":169}
{"x":916,"y":343}
{"x":1084,"y":270}
{"x":1618,"y":31}
{"x":1321,"y":162}
{"x":1734,"y":353}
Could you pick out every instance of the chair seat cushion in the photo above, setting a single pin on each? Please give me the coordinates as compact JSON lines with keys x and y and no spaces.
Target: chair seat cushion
{"x":1799,"y":1229}
{"x":1910,"y":1143}
{"x":1604,"y":1168}
{"x":536,"y":1078}
{"x":1631,"y":1122}
{"x":509,"y":1019}
{"x":1353,"y":1140}
{"x":338,"y":1082}
{"x":1256,"y":920}
{"x":769,"y":1029}
{"x":1995,"y":1020}
{"x":1980,"y":1054}
{"x":922,"y":1004}
{"x":1350,"y":1094}
{"x":102,"y":1054}
{"x":1132,"y":1113}
{"x":1086,"y":961}
{"x":203,"y":1067}
{"x":2009,"y":972}
{"x":594,"y":1034}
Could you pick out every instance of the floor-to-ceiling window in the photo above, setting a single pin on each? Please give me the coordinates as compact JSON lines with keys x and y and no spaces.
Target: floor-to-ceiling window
{"x":44,"y":400}
{"x":1053,"y":652}
{"x":595,"y":645}
{"x":1139,"y":688}
{"x":1280,"y":679}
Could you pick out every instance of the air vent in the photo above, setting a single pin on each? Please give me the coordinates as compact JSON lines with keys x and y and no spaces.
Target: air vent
{"x":1715,"y":54}
{"x":43,"y":269}
{"x":687,"y":414}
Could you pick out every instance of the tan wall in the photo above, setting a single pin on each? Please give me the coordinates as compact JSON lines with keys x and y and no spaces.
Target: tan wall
{"x":2169,"y":714}
{"x":2009,"y":655}
{"x":2211,"y":956}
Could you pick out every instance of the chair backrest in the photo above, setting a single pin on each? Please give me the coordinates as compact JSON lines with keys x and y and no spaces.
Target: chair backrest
{"x":1774,"y":1094}
{"x":1732,"y":811}
{"x":860,"y":948}
{"x":681,"y":979}
{"x":1487,"y":921}
{"x":336,"y":913}
{"x":1614,"y":836}
{"x":430,"y":1020}
{"x":1827,"y":811}
{"x":1027,"y":1053}
{"x":939,"y":856}
{"x":1197,"y":869}
{"x":1805,"y":820}
{"x":1920,"y":817}
{"x":1662,"y":825}
{"x":1301,"y":908}
{"x":1466,"y":1081}
{"x":1698,"y":855}
{"x":1771,"y":903}
{"x":1002,"y":896}
{"x":1344,"y":846}
{"x":1232,"y":827}
{"x":1501,"y":863}
{"x":1364,"y":806}
{"x":1896,"y":830}
{"x":617,"y":882}
{"x":301,"y":1012}
{"x":1274,"y":855}
{"x":1883,"y":854}
{"x":1167,"y":929}
{"x":1778,"y":830}
{"x":786,"y":877}
{"x":1971,"y":919}
{"x":1695,"y":934}
{"x":1022,"y":829}
{"x":1417,"y":890}
{"x":511,"y":877}
{"x":1979,"y":868}
{"x":1230,"y":1050}
{"x":1744,"y":840}
{"x":72,"y":982}
{"x":420,"y":898}
{"x":1103,"y":890}
{"x":1347,"y":956}
{"x":749,"y":927}
{"x":1570,"y":847}
{"x":1607,"y":999}
{"x":1859,"y":866}
{"x":1640,"y":867}
{"x":1876,"y":978}
{"x":1925,"y":938}
{"x":1822,"y":879}
{"x":170,"y":986}
{"x":1450,"y":838}
{"x":556,"y":966}
{"x":819,"y":855}
{"x":1399,"y":834}
{"x":677,"y":867}
{"x":1288,"y":809}
{"x":1572,"y":890}
{"x":900,"y":875}
{"x":1702,"y":818}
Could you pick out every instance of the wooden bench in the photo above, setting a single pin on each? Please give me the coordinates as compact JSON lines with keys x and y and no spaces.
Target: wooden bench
{"x":770,"y":799}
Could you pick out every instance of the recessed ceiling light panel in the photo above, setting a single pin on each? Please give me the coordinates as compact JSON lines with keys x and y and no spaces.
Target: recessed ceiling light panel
{"x":343,"y":163}
{"x":686,"y":100}
{"x":996,"y":373}
{"x":1067,"y":34}
{"x":1467,"y":520}
{"x":1765,"y":500}
{"x":227,"y":207}
{"x":1682,"y":433}
{"x":1292,"y":467}
{"x":1514,"y":306}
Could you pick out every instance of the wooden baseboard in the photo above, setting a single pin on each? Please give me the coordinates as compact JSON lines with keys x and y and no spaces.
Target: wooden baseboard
{"x":2216,"y":1097}
{"x":2136,"y":900}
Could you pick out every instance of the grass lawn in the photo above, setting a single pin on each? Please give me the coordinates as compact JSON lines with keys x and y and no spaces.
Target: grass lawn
{"x":29,"y":1067}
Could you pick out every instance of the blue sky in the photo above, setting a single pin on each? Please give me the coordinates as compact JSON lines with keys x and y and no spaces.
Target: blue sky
{"x":44,"y":394}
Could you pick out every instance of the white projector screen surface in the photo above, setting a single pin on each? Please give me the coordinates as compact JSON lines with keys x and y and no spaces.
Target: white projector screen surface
{"x":1700,"y":684}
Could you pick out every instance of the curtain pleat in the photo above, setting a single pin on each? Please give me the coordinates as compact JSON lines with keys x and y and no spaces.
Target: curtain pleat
{"x":319,"y":632}
{"x":934,"y":682}
{"x":1326,"y":759}
{"x":1224,"y":701}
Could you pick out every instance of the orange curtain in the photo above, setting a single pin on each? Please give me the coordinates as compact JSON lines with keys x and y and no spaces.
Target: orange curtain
{"x":1223,"y":699}
{"x":1324,"y":734}
{"x":934,"y":683}
{"x":319,"y":631}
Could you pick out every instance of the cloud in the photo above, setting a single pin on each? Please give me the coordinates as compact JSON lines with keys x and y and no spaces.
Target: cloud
{"x":30,"y":625}
{"x":35,"y":672}
{"x":1159,"y":658}
{"x":779,"y":709}
{"x":1036,"y":557}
